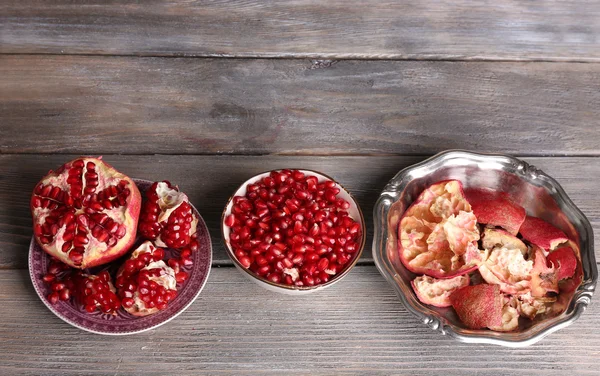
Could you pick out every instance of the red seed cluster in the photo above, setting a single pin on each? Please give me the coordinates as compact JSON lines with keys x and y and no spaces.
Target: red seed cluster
{"x":292,"y":229}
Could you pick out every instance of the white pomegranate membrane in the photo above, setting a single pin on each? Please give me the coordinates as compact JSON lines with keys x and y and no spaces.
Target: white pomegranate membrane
{"x":292,"y":229}
{"x":445,"y":244}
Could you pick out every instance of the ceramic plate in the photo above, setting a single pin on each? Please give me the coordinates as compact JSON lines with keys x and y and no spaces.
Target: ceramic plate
{"x":124,"y":323}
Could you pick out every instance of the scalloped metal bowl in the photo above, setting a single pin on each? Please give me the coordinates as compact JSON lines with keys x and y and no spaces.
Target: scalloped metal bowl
{"x":537,"y":192}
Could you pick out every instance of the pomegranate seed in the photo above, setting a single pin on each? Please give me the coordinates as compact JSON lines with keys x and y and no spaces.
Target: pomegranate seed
{"x":49,"y":277}
{"x":290,"y":220}
{"x":181,"y":277}
{"x":53,"y":298}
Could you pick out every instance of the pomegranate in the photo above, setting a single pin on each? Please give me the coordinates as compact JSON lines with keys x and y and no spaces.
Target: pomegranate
{"x":438,"y":233}
{"x":85,"y":214}
{"x":145,"y":283}
{"x":94,"y":292}
{"x":167,"y":217}
{"x":292,"y":229}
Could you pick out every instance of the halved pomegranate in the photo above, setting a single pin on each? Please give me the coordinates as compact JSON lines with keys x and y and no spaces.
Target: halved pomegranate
{"x":86,"y":213}
{"x":495,"y":208}
{"x":167,"y":217}
{"x":479,"y":306}
{"x":541,"y":233}
{"x":436,"y":292}
{"x":438,"y":233}
{"x":145,"y":283}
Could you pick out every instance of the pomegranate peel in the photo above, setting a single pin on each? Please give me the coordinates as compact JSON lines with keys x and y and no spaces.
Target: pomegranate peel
{"x":510,"y":318}
{"x":541,"y":233}
{"x":85,"y":213}
{"x":478,"y":306}
{"x":564,"y":260}
{"x":437,"y":231}
{"x":543,"y":278}
{"x":496,"y":208}
{"x":436,"y":292}
{"x":167,"y":217}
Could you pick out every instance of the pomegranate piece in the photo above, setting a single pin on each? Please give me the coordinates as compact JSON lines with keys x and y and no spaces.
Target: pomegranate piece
{"x":541,"y":233}
{"x":564,"y":260}
{"x":145,"y":283}
{"x":292,"y":229}
{"x":506,"y":265}
{"x":438,"y":233}
{"x":478,"y":306}
{"x":436,"y":292}
{"x":93,"y":292}
{"x":96,"y":293}
{"x":543,"y":278}
{"x":85,"y":214}
{"x":496,"y":209}
{"x":167,"y":217}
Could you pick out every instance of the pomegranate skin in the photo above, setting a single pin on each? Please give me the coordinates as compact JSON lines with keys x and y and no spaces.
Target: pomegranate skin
{"x":85,"y":213}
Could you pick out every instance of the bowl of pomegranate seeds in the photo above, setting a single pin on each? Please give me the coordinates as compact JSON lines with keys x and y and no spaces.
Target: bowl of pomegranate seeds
{"x":485,"y":248}
{"x":293,"y":231}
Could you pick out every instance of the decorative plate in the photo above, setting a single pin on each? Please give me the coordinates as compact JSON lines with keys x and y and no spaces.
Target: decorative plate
{"x":123,"y":323}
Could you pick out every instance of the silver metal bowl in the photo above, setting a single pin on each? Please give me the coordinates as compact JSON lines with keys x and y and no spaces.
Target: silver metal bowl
{"x":537,"y":192}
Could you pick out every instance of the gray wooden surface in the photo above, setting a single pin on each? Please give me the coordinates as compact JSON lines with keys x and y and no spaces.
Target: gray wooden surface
{"x":208,"y":93}
{"x":205,"y":106}
{"x":465,"y":29}
{"x":357,"y":326}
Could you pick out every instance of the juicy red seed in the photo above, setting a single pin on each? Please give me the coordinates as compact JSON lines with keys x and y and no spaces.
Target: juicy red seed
{"x":323,"y":264}
{"x":49,"y":277}
{"x":245,"y":261}
{"x":53,"y":298}
{"x":181,"y":277}
{"x":57,"y":286}
{"x":65,"y":294}
{"x":127,"y":302}
{"x":230,"y":220}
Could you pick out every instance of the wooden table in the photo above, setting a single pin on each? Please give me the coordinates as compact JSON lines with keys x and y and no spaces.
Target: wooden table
{"x":206,"y":94}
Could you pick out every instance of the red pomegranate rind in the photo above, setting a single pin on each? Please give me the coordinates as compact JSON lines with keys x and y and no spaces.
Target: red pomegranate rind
{"x":495,"y":208}
{"x":564,"y":260}
{"x":541,"y":233}
{"x":145,"y":283}
{"x":543,"y":278}
{"x":436,"y":292}
{"x":438,"y":233}
{"x":478,"y":306}
{"x":85,"y":214}
{"x":167,"y":217}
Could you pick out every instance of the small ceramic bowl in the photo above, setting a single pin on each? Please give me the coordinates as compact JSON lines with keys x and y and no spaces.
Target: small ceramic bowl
{"x":531,"y":188}
{"x":354,"y":212}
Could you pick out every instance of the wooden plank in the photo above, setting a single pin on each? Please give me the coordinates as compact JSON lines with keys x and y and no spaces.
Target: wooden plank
{"x":77,"y":104}
{"x":210,"y":180}
{"x":504,"y":29}
{"x":356,"y":326}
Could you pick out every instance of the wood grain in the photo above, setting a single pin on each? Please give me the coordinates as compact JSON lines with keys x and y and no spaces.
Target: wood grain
{"x":210,"y":180}
{"x":56,"y":104}
{"x":490,"y":30}
{"x":357,"y":326}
